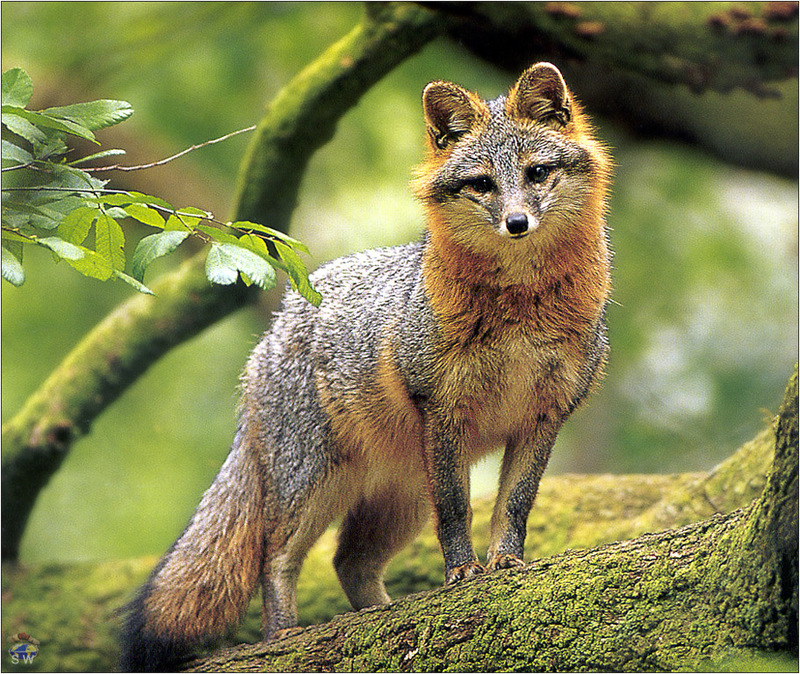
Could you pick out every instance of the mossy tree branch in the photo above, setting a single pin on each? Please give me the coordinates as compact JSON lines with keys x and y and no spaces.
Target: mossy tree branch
{"x":114,"y":354}
{"x":688,"y":598}
{"x":571,"y":512}
{"x":704,"y":45}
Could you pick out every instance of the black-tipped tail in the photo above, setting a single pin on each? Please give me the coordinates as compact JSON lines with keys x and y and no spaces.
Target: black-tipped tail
{"x":142,"y":651}
{"x":200,"y":590}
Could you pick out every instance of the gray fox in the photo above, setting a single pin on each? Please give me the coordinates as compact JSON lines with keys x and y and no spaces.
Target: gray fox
{"x":421,"y":359}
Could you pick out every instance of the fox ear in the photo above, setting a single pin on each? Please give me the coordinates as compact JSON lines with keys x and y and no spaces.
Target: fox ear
{"x":541,"y":95}
{"x":450,"y":112}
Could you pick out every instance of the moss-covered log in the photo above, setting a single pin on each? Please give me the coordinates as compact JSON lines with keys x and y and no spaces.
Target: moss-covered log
{"x":71,"y":608}
{"x":704,"y":595}
{"x":121,"y":348}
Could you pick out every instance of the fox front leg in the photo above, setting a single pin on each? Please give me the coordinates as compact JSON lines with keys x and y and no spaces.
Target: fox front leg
{"x":447,"y":470}
{"x":524,"y":462}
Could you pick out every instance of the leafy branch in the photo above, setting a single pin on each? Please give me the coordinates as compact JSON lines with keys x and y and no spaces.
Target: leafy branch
{"x":49,"y":202}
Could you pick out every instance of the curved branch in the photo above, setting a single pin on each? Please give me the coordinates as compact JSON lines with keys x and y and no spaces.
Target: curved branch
{"x":114,"y":354}
{"x":166,"y":160}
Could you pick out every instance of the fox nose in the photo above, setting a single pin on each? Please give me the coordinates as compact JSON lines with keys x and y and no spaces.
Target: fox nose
{"x":516,"y":223}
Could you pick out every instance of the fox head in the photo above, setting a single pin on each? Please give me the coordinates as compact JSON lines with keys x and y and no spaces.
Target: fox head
{"x":520,"y":171}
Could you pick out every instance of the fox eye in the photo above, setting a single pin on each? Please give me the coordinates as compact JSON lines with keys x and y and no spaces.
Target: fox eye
{"x":538,"y":173}
{"x":481,"y":184}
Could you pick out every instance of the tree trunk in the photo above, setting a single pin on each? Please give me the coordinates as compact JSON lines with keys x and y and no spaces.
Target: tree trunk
{"x":704,"y":45}
{"x":704,"y":595}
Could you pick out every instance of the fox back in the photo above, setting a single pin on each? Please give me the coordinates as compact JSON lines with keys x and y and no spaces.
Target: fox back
{"x":422,"y":358}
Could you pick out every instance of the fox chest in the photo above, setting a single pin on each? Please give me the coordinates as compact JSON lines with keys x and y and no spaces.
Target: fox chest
{"x":502,"y":387}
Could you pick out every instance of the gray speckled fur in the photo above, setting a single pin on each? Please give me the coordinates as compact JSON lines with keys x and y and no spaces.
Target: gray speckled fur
{"x":338,"y":343}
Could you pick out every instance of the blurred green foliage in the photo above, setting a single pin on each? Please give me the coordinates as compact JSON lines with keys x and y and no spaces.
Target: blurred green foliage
{"x":703,"y":328}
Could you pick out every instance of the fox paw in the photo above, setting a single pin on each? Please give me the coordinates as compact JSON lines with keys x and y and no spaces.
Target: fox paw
{"x":464,"y":571}
{"x":505,"y":561}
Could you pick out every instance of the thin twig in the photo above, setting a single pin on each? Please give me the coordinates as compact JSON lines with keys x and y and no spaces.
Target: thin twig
{"x":16,"y":167}
{"x":161,"y":162}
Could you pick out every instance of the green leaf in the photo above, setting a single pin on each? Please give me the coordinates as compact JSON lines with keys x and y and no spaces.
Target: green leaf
{"x":86,"y":261}
{"x":225,"y":259}
{"x":41,"y":120}
{"x":17,"y":87}
{"x":298,"y":274}
{"x":272,"y":233}
{"x":217,"y":234}
{"x":71,"y":127}
{"x":75,"y":226}
{"x":145,"y":214}
{"x":53,"y":147}
{"x":110,"y":241}
{"x":93,"y":115}
{"x":43,"y":210}
{"x":47,"y":216}
{"x":175,"y":224}
{"x":125,"y":198}
{"x":13,"y":155}
{"x":64,"y":249}
{"x":15,"y":245}
{"x":140,"y":198}
{"x":11,"y":237}
{"x":258,"y":246}
{"x":117,"y":213}
{"x":289,"y":262}
{"x":20,"y":215}
{"x":12,"y":268}
{"x":97,"y":155}
{"x":141,"y":287}
{"x":219,"y":270}
{"x":23,"y":128}
{"x":152,"y":247}
{"x":80,"y":181}
{"x":92,"y":265}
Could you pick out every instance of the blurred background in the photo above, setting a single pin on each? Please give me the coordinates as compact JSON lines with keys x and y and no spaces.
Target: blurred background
{"x":703,"y":327}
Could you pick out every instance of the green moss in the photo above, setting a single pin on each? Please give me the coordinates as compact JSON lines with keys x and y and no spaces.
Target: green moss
{"x":672,"y":590}
{"x":71,"y":609}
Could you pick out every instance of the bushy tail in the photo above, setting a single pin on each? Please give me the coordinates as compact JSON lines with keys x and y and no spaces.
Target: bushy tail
{"x":201,"y":588}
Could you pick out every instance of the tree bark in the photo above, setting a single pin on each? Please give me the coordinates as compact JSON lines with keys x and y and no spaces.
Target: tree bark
{"x":703,"y":595}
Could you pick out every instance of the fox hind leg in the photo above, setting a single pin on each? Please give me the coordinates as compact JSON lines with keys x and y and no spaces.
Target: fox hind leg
{"x":287,"y":547}
{"x":372,"y":532}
